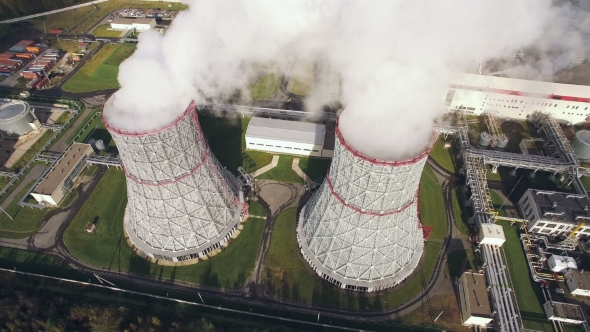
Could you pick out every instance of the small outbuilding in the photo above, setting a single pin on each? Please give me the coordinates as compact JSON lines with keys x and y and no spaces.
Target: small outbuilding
{"x":564,"y":312}
{"x":56,"y":184}
{"x":475,"y":302}
{"x":561,"y":263}
{"x":288,"y":137}
{"x":578,"y":282}
{"x":139,"y":24}
{"x":491,"y":234}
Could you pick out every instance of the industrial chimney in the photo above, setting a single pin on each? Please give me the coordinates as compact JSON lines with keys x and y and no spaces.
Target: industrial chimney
{"x":182,"y":204}
{"x":361,"y":230}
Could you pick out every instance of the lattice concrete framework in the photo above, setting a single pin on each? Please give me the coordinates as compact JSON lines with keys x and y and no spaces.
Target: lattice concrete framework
{"x":361,"y":230}
{"x":181,"y":203}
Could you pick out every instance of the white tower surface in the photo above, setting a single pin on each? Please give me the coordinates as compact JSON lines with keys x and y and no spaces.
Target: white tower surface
{"x":361,"y":230}
{"x":181,"y":203}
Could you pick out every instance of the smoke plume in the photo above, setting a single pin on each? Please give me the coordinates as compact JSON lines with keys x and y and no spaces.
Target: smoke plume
{"x":394,"y":58}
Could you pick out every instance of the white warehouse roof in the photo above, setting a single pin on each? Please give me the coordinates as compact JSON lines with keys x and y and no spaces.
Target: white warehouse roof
{"x":283,"y":130}
{"x":512,"y":84}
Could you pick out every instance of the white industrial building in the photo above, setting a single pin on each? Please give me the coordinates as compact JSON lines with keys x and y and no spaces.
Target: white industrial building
{"x":288,"y":137}
{"x":475,"y":302}
{"x":516,"y":98}
{"x":564,"y":312}
{"x":139,"y":24}
{"x":558,"y":263}
{"x":57,"y":183}
{"x":577,"y":282}
{"x":555,"y":213}
{"x":491,"y":234}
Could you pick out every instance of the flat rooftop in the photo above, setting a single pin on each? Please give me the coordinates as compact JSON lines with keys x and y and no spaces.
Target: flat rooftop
{"x":516,"y":84}
{"x":477,"y":294}
{"x":582,"y":278}
{"x":62,"y":168}
{"x":283,"y":130}
{"x":561,"y":206}
{"x":141,"y":20}
{"x":570,"y":311}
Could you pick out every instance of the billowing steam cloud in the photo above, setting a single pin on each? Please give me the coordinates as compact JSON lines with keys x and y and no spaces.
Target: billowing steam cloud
{"x":394,"y":56}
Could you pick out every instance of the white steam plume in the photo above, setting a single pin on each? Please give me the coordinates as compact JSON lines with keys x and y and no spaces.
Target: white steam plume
{"x":394,"y":57}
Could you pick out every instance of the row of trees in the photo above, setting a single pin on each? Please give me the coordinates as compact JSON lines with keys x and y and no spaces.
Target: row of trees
{"x":16,"y":8}
{"x":32,"y":304}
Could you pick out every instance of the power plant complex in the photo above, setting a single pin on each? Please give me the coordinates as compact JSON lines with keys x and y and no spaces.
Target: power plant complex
{"x":361,"y":230}
{"x":182,"y":205}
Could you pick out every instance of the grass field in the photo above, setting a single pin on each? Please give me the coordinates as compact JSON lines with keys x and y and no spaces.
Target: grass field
{"x":287,"y":274}
{"x":459,"y":261}
{"x":498,"y":203}
{"x":315,"y":168}
{"x":104,"y":31}
{"x":26,"y":220}
{"x":100,"y":72}
{"x":432,"y":205}
{"x":30,"y":261}
{"x":428,"y":311}
{"x":108,"y":248}
{"x":459,"y":212}
{"x":442,"y":156}
{"x":226,"y":139}
{"x":32,"y":151}
{"x":283,"y":172}
{"x":256,"y":209}
{"x":68,"y":18}
{"x":503,"y":174}
{"x":266,"y":87}
{"x":528,"y":293}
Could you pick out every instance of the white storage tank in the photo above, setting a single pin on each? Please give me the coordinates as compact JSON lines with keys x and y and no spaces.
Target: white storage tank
{"x":484,"y":139}
{"x":502,"y":142}
{"x":16,"y":119}
{"x":581,"y":144}
{"x":99,"y":145}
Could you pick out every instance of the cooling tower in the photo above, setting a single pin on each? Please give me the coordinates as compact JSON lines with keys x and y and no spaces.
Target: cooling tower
{"x":361,"y":230}
{"x":181,"y":203}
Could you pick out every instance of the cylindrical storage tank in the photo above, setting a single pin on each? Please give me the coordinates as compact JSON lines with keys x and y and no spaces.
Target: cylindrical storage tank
{"x":16,"y":119}
{"x":484,"y":139}
{"x":99,"y":144}
{"x":581,"y":144}
{"x":182,"y":205}
{"x":361,"y":230}
{"x":502,"y":142}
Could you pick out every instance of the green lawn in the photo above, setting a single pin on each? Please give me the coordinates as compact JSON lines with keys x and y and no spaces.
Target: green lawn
{"x":68,"y":18}
{"x":266,"y":87}
{"x":498,"y":203}
{"x":22,"y":260}
{"x":528,"y":293}
{"x":443,"y":156}
{"x":32,"y":151}
{"x":283,"y":171}
{"x":26,"y":220}
{"x":432,"y":205}
{"x":455,"y":261}
{"x":315,"y":168}
{"x":100,"y":72}
{"x":503,"y":174}
{"x":96,"y":130}
{"x":226,"y":139}
{"x":108,"y":248}
{"x":299,"y":87}
{"x":104,"y":31}
{"x":461,"y":217}
{"x":287,"y":274}
{"x":256,"y":209}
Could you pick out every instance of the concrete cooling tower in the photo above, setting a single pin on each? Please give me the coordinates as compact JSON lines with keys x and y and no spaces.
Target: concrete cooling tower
{"x":361,"y":230}
{"x":181,"y":203}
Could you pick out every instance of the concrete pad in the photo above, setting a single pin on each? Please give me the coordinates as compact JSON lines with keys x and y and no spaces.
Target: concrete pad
{"x":279,"y":195}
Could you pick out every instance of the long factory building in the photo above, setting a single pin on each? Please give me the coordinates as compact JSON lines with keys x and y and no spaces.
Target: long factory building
{"x":517,"y":98}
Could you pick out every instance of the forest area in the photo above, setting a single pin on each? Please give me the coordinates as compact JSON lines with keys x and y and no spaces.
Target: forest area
{"x":16,"y":8}
{"x":31,"y":304}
